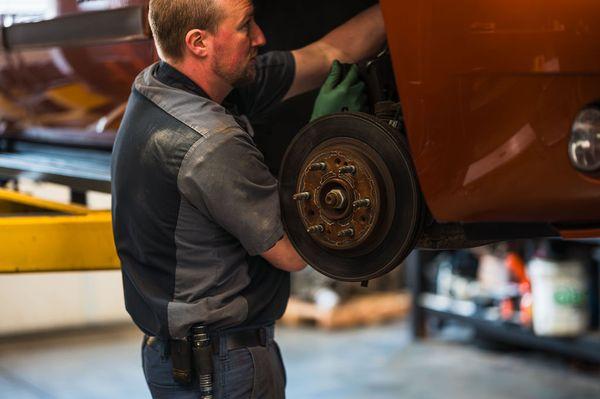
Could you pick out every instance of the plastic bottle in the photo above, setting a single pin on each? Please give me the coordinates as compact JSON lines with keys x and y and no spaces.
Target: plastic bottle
{"x":559,"y":292}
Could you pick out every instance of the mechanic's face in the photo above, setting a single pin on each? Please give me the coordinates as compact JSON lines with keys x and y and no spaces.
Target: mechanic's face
{"x":236,"y":43}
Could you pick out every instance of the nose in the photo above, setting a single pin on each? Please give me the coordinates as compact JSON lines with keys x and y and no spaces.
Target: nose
{"x":258,"y":37}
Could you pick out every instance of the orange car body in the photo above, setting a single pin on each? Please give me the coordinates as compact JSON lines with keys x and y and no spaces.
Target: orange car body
{"x":489,"y":92}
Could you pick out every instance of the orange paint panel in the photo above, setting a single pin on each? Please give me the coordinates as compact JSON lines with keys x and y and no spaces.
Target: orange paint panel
{"x":489,"y":92}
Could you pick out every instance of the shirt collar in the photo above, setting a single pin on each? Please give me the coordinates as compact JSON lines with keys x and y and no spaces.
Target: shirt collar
{"x":170,"y":76}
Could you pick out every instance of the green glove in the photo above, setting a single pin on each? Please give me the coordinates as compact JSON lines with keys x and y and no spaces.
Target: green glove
{"x":340,"y":93}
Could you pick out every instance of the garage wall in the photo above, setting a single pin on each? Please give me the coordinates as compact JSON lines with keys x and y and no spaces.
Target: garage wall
{"x":34,"y":302}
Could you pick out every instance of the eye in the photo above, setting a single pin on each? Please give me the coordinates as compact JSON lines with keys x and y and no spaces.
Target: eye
{"x":246,"y":26}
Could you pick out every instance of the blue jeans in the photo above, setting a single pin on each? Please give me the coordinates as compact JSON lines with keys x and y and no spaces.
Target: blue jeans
{"x":244,"y":373}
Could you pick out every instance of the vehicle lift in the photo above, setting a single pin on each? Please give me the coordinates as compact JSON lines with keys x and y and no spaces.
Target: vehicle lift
{"x":45,"y":236}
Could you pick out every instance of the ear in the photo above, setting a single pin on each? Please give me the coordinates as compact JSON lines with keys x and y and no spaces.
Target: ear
{"x":197,"y":42}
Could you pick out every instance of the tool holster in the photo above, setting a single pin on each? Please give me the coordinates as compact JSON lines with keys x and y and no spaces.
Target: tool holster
{"x":181,"y":356}
{"x":193,"y":356}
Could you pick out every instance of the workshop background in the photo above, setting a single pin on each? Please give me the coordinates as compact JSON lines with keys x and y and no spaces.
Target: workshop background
{"x":489,"y":322}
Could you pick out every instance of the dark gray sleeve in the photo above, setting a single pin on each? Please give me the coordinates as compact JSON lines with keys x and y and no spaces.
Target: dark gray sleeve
{"x":225,"y":177}
{"x":275,"y":73}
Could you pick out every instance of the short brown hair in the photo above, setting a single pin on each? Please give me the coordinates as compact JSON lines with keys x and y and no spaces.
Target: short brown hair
{"x":171,"y":20}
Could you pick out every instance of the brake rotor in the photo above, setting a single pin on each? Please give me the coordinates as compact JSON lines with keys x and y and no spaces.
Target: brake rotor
{"x":350,"y":199}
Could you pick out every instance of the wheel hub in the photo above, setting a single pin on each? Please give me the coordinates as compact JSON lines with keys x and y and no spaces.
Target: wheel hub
{"x":344,"y":186}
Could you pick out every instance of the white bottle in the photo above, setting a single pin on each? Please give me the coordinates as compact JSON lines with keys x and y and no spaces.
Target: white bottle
{"x":560,"y":293}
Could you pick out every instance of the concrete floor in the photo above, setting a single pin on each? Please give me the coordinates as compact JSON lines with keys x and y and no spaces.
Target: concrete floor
{"x":377,"y":363}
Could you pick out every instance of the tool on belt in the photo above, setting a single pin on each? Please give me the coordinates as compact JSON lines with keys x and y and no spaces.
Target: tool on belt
{"x":194,"y":354}
{"x":203,"y":361}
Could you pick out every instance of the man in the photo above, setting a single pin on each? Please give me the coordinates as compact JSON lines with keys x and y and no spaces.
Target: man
{"x":195,"y":211}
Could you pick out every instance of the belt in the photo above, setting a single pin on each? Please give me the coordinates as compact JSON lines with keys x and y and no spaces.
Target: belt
{"x":243,"y":339}
{"x":233,"y":340}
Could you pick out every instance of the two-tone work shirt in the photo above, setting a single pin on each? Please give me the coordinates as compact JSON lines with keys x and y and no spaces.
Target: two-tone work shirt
{"x":194,"y":204}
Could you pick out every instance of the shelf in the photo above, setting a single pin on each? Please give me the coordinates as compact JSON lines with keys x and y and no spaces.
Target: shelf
{"x":585,"y":347}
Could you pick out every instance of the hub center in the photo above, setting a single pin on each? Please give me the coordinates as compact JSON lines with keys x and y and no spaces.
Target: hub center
{"x":336,"y":199}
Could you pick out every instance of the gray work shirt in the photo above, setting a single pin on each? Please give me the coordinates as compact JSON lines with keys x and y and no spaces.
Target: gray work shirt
{"x":194,"y":204}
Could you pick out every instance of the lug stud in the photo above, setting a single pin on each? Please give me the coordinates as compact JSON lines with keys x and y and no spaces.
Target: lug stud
{"x":301,"y":196}
{"x":346,"y":233}
{"x":315,"y":229}
{"x":362,"y":203}
{"x":349,"y":169}
{"x":318,"y":166}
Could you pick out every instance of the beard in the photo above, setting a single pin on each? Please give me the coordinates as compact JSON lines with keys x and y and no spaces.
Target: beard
{"x":233,"y":74}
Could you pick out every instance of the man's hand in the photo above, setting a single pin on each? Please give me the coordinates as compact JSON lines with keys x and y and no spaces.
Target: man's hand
{"x":340,"y":93}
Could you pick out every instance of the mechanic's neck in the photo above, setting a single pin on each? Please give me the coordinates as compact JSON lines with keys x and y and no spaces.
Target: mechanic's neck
{"x":213,"y":85}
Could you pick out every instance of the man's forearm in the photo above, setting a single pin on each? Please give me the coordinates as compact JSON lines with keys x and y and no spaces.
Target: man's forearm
{"x":359,"y":38}
{"x":284,"y":256}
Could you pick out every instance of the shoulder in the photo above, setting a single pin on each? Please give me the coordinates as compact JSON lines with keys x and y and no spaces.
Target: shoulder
{"x":200,"y":114}
{"x":152,"y":135}
{"x":229,"y":148}
{"x":223,"y":164}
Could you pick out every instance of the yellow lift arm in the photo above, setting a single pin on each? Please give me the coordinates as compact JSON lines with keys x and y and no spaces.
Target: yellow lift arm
{"x":44,"y":236}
